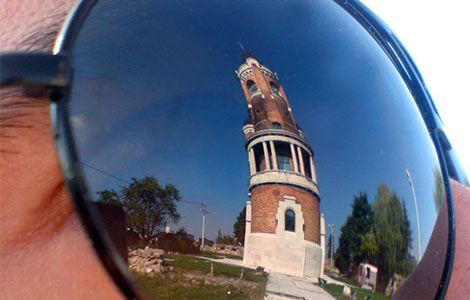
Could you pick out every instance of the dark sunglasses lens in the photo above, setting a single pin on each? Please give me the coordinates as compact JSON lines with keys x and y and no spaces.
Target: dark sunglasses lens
{"x":283,"y":126}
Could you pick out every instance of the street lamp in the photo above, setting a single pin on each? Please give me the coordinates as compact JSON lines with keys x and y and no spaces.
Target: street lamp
{"x":416,"y":208}
{"x":204,"y":212}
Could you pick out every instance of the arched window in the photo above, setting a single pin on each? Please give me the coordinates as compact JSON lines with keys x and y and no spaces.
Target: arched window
{"x":275,"y":88}
{"x":290,"y":220}
{"x":251,"y":86}
{"x":277,"y":125}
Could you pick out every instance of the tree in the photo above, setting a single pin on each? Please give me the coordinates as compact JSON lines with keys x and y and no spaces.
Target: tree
{"x":392,"y":235}
{"x":369,"y":248}
{"x":239,"y":227}
{"x":147,"y":204}
{"x":329,"y":251}
{"x":439,"y":189}
{"x":356,"y":226}
{"x":110,"y":197}
{"x":224,"y":239}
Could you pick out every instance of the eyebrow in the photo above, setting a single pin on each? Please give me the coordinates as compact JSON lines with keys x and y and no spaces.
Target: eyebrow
{"x":42,"y":37}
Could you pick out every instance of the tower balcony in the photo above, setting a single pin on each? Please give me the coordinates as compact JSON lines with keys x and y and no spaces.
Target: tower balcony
{"x":277,"y":156}
{"x":278,"y":135}
{"x":265,"y":125}
{"x":283,"y":177}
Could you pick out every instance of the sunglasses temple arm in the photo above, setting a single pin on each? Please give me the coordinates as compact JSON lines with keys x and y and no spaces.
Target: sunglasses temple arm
{"x":38,"y":74}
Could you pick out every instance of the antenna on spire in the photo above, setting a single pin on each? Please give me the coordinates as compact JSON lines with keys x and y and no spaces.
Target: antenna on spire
{"x":245,"y":54}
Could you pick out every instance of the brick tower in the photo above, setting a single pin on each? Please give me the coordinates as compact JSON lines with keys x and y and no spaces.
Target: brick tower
{"x":283,"y":214}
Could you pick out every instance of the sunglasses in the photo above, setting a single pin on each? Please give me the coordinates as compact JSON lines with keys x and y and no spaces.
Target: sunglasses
{"x":294,"y":138}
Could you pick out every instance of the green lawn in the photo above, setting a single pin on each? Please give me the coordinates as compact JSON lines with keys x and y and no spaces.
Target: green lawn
{"x":193,"y":263}
{"x":191,"y":280}
{"x":337,"y":292}
{"x":219,"y":256}
{"x":211,"y":254}
{"x":349,"y":281}
{"x":177,"y":287}
{"x":233,"y":256}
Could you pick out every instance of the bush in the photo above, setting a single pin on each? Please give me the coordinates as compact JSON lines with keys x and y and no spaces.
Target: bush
{"x":177,"y":242}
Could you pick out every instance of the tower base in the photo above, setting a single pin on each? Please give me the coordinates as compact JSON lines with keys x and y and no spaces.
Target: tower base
{"x":284,"y":251}
{"x":283,"y":254}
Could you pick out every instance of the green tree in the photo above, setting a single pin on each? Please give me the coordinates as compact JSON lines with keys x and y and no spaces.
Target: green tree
{"x":392,"y":236}
{"x":328,"y":253}
{"x":224,"y":239}
{"x":239,"y":227}
{"x":369,"y":248}
{"x":341,"y":262}
{"x":219,"y":238}
{"x":439,"y":190}
{"x":110,"y":197}
{"x":357,"y":225}
{"x":148,"y":205}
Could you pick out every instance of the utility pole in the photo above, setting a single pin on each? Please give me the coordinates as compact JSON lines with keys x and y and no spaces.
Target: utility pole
{"x":416,"y":208}
{"x":204,"y":212}
{"x":332,"y":235}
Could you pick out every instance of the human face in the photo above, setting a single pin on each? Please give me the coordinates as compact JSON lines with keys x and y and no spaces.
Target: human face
{"x":44,"y":252}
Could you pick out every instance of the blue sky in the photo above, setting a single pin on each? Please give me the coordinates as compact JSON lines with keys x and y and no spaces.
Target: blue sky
{"x":157,"y":95}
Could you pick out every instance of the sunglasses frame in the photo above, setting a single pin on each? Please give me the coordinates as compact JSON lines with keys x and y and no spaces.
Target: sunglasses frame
{"x":51,"y":75}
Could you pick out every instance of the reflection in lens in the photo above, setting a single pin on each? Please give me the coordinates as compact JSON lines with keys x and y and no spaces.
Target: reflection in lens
{"x":342,"y":181}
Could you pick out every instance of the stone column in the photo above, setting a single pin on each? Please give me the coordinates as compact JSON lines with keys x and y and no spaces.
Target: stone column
{"x":266,"y":156}
{"x":294,"y":158}
{"x":322,"y":241}
{"x":246,"y":249}
{"x":301,"y":160}
{"x":312,"y":169}
{"x":273,"y":153}
{"x":252,"y":161}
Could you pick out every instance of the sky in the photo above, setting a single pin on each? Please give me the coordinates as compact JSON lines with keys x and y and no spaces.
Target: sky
{"x":166,"y":102}
{"x":435,"y":33}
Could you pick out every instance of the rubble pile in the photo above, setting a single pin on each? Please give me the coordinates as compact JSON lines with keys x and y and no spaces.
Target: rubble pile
{"x":225,"y":249}
{"x":148,"y":261}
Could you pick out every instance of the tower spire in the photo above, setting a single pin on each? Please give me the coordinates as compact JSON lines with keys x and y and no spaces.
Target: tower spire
{"x":245,"y":54}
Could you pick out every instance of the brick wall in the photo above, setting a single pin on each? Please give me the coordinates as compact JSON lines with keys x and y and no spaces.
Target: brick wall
{"x":264,"y":204}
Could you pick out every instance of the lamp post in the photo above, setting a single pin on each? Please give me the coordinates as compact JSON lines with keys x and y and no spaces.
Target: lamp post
{"x":332,"y":235}
{"x":204,"y":212}
{"x":417,"y":215}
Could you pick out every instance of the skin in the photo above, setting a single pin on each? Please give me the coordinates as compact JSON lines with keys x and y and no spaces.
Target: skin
{"x":459,"y":286}
{"x":44,"y":251}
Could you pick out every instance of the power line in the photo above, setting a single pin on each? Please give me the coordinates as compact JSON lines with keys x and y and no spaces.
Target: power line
{"x":125,"y":181}
{"x":189,"y":214}
{"x":103,"y":172}
{"x":203,"y":205}
{"x":198,"y":203}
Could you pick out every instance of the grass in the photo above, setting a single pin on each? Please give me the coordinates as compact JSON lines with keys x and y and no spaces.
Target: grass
{"x":191,"y":280}
{"x":220,"y":256}
{"x":193,"y":263}
{"x":337,"y":292}
{"x":349,"y":281}
{"x":233,"y":256}
{"x":178,"y":287}
{"x":211,"y":255}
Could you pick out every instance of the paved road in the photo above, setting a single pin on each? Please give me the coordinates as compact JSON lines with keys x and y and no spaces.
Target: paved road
{"x":333,"y":281}
{"x":282,"y":286}
{"x":287,"y":287}
{"x":227,"y":261}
